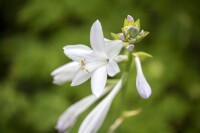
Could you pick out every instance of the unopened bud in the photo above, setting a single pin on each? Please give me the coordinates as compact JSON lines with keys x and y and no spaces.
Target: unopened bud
{"x":130,"y":47}
{"x":129,"y":18}
{"x":142,"y":32}
{"x":121,"y":36}
{"x":133,"y":31}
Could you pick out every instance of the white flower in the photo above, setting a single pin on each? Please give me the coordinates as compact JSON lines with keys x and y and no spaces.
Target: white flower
{"x":65,"y":73}
{"x":94,"y":120}
{"x":142,"y":85}
{"x":69,"y":117}
{"x":97,"y":62}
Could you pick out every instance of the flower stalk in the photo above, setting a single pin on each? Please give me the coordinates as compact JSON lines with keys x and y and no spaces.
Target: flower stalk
{"x":97,"y":63}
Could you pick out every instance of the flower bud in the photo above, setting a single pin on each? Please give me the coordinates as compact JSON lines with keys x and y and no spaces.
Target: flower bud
{"x":133,"y":31}
{"x":130,"y":47}
{"x":121,"y":36}
{"x":129,"y":18}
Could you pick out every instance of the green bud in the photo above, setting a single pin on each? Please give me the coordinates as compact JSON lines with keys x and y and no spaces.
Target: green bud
{"x":133,"y":31}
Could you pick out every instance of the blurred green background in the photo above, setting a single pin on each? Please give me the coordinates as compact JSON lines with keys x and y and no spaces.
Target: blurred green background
{"x":33,"y":33}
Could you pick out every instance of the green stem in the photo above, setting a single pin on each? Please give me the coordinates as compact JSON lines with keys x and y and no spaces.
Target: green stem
{"x":125,"y":77}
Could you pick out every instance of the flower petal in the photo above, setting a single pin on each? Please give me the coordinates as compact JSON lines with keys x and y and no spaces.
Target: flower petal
{"x":65,"y":73}
{"x":97,"y":38}
{"x":112,"y":68}
{"x":95,"y":118}
{"x":91,"y":66}
{"x":113,"y":48}
{"x":77,"y":52}
{"x":98,"y":80}
{"x":80,"y":77}
{"x":142,"y":85}
{"x":69,"y":117}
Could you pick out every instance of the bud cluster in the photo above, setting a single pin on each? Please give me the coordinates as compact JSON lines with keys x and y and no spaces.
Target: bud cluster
{"x":131,"y":33}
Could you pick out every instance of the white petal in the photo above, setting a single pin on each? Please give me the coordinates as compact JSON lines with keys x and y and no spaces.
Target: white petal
{"x":112,"y":68}
{"x":91,"y":66}
{"x":113,"y":48}
{"x":98,"y":80}
{"x":142,"y":85}
{"x":77,"y":52}
{"x":69,"y":117}
{"x":65,"y":73}
{"x":80,"y":77}
{"x":95,"y":118}
{"x":97,"y":38}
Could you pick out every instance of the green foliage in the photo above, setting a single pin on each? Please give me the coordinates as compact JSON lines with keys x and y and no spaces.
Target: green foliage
{"x":34,"y":32}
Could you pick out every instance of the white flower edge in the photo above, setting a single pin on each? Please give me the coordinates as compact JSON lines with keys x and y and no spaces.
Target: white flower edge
{"x":142,"y":85}
{"x":64,"y":73}
{"x":95,"y":118}
{"x":70,"y":115}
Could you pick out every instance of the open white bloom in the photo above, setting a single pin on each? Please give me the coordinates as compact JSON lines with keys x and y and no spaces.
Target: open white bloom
{"x":142,"y":85}
{"x":66,"y":72}
{"x":94,"y":120}
{"x":69,"y":117}
{"x":97,"y":62}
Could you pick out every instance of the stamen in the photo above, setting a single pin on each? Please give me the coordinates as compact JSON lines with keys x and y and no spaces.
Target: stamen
{"x":82,"y":67}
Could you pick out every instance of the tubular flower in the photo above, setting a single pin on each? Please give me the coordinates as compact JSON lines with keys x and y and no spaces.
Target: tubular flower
{"x":95,"y":118}
{"x":68,"y":118}
{"x":142,"y":85}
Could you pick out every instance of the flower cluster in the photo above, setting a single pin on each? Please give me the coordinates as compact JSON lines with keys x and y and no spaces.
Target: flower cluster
{"x":130,"y":32}
{"x":97,"y":63}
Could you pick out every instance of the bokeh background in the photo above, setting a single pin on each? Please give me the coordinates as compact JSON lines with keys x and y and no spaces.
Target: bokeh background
{"x":33,"y":33}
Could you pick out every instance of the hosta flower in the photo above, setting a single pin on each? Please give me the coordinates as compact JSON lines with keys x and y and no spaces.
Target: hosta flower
{"x":142,"y":85}
{"x":94,"y":120}
{"x":95,"y":63}
{"x":67,"y":72}
{"x":68,"y":118}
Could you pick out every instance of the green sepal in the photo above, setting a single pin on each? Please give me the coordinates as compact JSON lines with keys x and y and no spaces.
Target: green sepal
{"x":142,"y":55}
{"x":137,"y":24}
{"x":115,"y":36}
{"x":131,"y":23}
{"x":125,"y":22}
{"x":125,"y":44}
{"x":140,"y":36}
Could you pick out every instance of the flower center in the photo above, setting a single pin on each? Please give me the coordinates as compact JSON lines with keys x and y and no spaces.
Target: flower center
{"x":82,"y":66}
